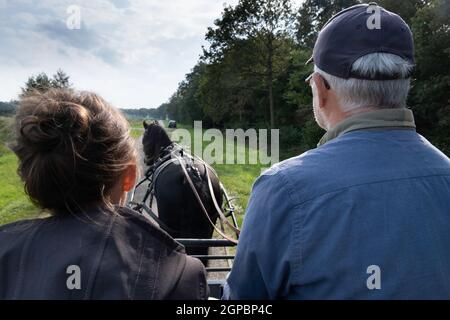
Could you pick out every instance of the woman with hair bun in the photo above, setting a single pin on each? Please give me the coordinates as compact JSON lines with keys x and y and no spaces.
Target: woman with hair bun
{"x":78,"y":161}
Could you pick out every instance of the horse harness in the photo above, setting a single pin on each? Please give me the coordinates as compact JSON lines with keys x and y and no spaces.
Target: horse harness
{"x":174,"y":153}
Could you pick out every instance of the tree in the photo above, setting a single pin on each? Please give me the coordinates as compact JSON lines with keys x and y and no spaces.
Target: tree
{"x":42,"y":82}
{"x":263,"y":24}
{"x":430,"y":94}
{"x":231,"y":92}
{"x":404,"y":8}
{"x":8,"y":108}
{"x":61,"y":80}
{"x":148,"y":113}
{"x":312,"y":16}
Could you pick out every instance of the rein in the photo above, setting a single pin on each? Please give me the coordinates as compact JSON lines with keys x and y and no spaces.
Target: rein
{"x":202,"y":206}
{"x":177,"y":154}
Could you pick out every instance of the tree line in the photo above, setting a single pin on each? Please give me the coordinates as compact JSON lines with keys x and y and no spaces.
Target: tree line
{"x":8,"y":108}
{"x":145,"y":113}
{"x":252,"y":72}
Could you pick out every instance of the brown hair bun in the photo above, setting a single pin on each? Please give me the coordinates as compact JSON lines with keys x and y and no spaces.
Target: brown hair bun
{"x":72,"y":148}
{"x":49,"y":131}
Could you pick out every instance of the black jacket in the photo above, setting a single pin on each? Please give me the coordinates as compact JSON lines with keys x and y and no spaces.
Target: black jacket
{"x":116,"y":256}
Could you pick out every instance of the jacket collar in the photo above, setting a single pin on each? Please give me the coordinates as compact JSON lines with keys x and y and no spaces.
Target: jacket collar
{"x":394,"y":119}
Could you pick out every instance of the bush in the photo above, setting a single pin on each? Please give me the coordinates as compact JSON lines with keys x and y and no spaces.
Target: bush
{"x":290,"y":136}
{"x":295,"y":140}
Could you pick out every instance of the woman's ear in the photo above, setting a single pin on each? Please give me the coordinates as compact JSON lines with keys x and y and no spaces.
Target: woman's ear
{"x":129,"y":178}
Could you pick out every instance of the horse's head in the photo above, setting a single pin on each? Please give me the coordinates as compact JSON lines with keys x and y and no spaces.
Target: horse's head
{"x":155,"y":139}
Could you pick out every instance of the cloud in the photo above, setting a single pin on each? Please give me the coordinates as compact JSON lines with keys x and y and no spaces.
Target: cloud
{"x":84,"y":39}
{"x":81,"y":39}
{"x":134,"y":52}
{"x":120,"y":3}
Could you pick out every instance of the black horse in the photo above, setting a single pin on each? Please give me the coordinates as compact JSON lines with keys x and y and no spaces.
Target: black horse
{"x":178,"y":207}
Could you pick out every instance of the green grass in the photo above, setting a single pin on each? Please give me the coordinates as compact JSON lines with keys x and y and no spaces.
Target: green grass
{"x":136,"y":123}
{"x":136,"y":132}
{"x":14,"y":203}
{"x":238,"y":180}
{"x":137,"y":128}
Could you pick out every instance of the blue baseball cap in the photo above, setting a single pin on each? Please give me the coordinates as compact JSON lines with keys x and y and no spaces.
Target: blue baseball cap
{"x":355,"y":32}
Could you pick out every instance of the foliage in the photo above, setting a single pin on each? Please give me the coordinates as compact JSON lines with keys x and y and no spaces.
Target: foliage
{"x":42,"y":82}
{"x":313,"y":15}
{"x":430,"y":96}
{"x":261,"y":29}
{"x":8,"y":108}
{"x":145,"y":113}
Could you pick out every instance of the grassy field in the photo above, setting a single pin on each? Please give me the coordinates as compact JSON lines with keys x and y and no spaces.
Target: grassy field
{"x":137,"y":128}
{"x":15,"y":205}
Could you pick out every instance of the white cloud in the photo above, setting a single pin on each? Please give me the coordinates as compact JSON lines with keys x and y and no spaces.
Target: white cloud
{"x":133,"y":52}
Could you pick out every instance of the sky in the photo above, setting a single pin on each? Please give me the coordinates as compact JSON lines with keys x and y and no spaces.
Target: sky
{"x":132,"y":52}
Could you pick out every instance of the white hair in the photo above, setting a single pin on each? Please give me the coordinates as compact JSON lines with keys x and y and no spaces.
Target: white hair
{"x":357,"y":93}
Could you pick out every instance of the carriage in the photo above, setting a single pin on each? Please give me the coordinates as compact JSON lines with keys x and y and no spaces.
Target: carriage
{"x":172,"y":124}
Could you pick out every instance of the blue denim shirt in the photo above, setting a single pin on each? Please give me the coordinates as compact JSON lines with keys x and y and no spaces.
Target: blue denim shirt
{"x":366,"y":215}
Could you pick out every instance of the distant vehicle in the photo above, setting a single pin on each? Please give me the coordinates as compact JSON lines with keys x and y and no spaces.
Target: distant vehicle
{"x":172,"y":124}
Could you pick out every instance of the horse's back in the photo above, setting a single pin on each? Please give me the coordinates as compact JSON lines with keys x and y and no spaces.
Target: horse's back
{"x":177,"y":204}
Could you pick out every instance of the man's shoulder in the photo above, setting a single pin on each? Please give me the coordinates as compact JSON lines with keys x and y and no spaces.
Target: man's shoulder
{"x":293,"y":177}
{"x":304,"y":166}
{"x":358,"y":158}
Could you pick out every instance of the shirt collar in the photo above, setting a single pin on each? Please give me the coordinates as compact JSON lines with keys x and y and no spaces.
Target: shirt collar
{"x":401,"y":118}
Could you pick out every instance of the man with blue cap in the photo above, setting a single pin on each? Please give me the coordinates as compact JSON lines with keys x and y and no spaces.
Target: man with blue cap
{"x":365,"y":215}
